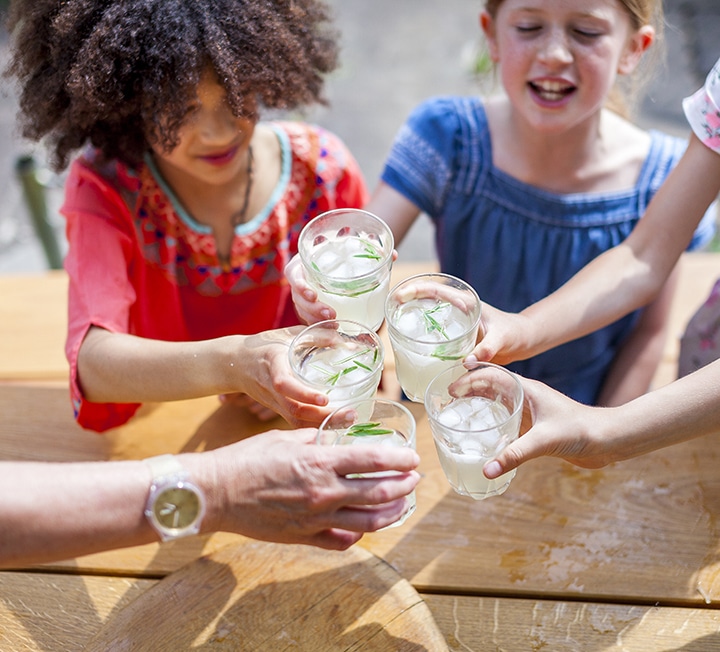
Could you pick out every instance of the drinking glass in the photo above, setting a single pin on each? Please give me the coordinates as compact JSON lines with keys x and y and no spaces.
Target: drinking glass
{"x":375,"y":421}
{"x":474,"y":413}
{"x":433,"y":321}
{"x":347,"y":258}
{"x":342,"y":358}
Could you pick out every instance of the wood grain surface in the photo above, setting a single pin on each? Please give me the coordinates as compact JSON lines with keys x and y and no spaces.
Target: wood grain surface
{"x":269,"y":597}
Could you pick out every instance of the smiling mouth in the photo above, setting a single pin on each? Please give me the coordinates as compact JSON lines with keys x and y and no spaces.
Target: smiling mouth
{"x":551,"y":91}
{"x":220,"y":158}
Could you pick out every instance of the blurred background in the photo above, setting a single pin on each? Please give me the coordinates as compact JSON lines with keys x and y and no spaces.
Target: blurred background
{"x":394,"y":54}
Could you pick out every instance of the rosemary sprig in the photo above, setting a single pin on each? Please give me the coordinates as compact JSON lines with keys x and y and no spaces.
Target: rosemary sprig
{"x":333,"y":378}
{"x":352,"y":356}
{"x":371,"y":251}
{"x":432,"y":324}
{"x":370,"y":429}
{"x":441,"y":355}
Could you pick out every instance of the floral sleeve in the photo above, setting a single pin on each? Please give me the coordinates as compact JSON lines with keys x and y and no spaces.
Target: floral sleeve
{"x":703,"y":110}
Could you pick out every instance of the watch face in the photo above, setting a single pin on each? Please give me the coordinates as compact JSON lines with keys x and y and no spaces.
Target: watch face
{"x":177,"y":508}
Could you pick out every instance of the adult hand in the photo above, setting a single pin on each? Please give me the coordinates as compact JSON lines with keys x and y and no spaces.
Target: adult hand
{"x":305,"y":298}
{"x":280,"y":486}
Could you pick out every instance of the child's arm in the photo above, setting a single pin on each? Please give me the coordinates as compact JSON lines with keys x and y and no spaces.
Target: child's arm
{"x":637,"y":360}
{"x":592,"y":437}
{"x":398,"y":212}
{"x":626,"y":277}
{"x":121,"y":368}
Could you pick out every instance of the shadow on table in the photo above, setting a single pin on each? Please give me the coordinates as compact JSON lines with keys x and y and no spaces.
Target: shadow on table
{"x":702,"y":644}
{"x":248,"y":606}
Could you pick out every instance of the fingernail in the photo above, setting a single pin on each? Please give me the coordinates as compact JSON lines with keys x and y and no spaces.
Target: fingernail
{"x":470,"y":360}
{"x":492,"y":469}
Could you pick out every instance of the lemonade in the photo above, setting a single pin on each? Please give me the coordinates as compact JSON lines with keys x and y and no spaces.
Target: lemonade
{"x":474,"y":412}
{"x":470,"y":438}
{"x":356,"y":292}
{"x":347,"y":258}
{"x":373,"y":422}
{"x":361,"y":434}
{"x":345,"y":374}
{"x":341,"y":358}
{"x":428,"y":336}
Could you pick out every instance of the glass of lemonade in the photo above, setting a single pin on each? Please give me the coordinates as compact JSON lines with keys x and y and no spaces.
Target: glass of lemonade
{"x":433,"y":321}
{"x":377,"y":422}
{"x":347,"y":257}
{"x":342,"y":358}
{"x":474,"y":413}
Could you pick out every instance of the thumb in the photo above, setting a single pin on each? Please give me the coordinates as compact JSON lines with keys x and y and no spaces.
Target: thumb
{"x":511,"y":457}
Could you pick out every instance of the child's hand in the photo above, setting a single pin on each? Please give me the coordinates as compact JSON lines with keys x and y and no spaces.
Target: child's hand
{"x":503,"y":337}
{"x":555,"y":425}
{"x":266,"y":376}
{"x":307,"y":306}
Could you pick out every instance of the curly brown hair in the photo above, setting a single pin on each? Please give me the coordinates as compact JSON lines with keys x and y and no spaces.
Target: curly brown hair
{"x":118,"y":72}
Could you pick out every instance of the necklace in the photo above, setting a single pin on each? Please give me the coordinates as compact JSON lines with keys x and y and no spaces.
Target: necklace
{"x":239,"y":216}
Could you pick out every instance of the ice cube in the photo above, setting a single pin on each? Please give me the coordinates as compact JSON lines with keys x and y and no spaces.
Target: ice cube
{"x":449,"y":417}
{"x":471,"y":446}
{"x":410,"y":323}
{"x":327,"y":260}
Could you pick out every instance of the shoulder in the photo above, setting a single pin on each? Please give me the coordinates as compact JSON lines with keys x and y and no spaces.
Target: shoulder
{"x":664,"y":154}
{"x":313,"y":145}
{"x":448,"y":114}
{"x":94,"y":178}
{"x":304,"y":137}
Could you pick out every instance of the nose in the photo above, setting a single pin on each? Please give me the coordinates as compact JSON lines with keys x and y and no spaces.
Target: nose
{"x":219,"y":125}
{"x":555,"y":49}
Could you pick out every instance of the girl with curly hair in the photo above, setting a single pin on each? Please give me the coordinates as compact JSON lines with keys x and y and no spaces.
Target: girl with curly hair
{"x":183,"y":208}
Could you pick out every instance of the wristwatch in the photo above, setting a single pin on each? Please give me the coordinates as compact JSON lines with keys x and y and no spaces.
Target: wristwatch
{"x":175,"y":505}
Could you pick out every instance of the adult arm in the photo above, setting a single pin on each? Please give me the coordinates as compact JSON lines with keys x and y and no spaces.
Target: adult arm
{"x":626,"y":277}
{"x":122,"y":368}
{"x":277,"y":486}
{"x":592,"y":437}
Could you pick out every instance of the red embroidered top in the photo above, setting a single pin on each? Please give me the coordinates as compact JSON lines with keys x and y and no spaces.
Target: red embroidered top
{"x":139,"y":264}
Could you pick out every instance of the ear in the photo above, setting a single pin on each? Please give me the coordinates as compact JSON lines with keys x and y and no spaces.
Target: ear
{"x":488,"y":27}
{"x":639,"y":42}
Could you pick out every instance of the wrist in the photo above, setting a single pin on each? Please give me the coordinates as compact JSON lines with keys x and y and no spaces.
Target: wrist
{"x":230,"y":363}
{"x":204,"y":471}
{"x":175,"y":505}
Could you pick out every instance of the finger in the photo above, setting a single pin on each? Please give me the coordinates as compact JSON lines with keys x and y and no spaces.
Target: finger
{"x":364,"y":492}
{"x":429,"y":290}
{"x":333,"y":539}
{"x":372,"y":519}
{"x":298,"y":393}
{"x":349,"y":460}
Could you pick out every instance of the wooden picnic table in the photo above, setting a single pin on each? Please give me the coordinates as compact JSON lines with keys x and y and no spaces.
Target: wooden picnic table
{"x":626,"y":557}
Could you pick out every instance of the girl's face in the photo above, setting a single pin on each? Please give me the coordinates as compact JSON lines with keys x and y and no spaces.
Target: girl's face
{"x":213,"y":142}
{"x":558,"y":59}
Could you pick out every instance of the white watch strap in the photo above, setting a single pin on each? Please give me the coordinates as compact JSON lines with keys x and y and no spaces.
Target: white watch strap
{"x":162,"y":466}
